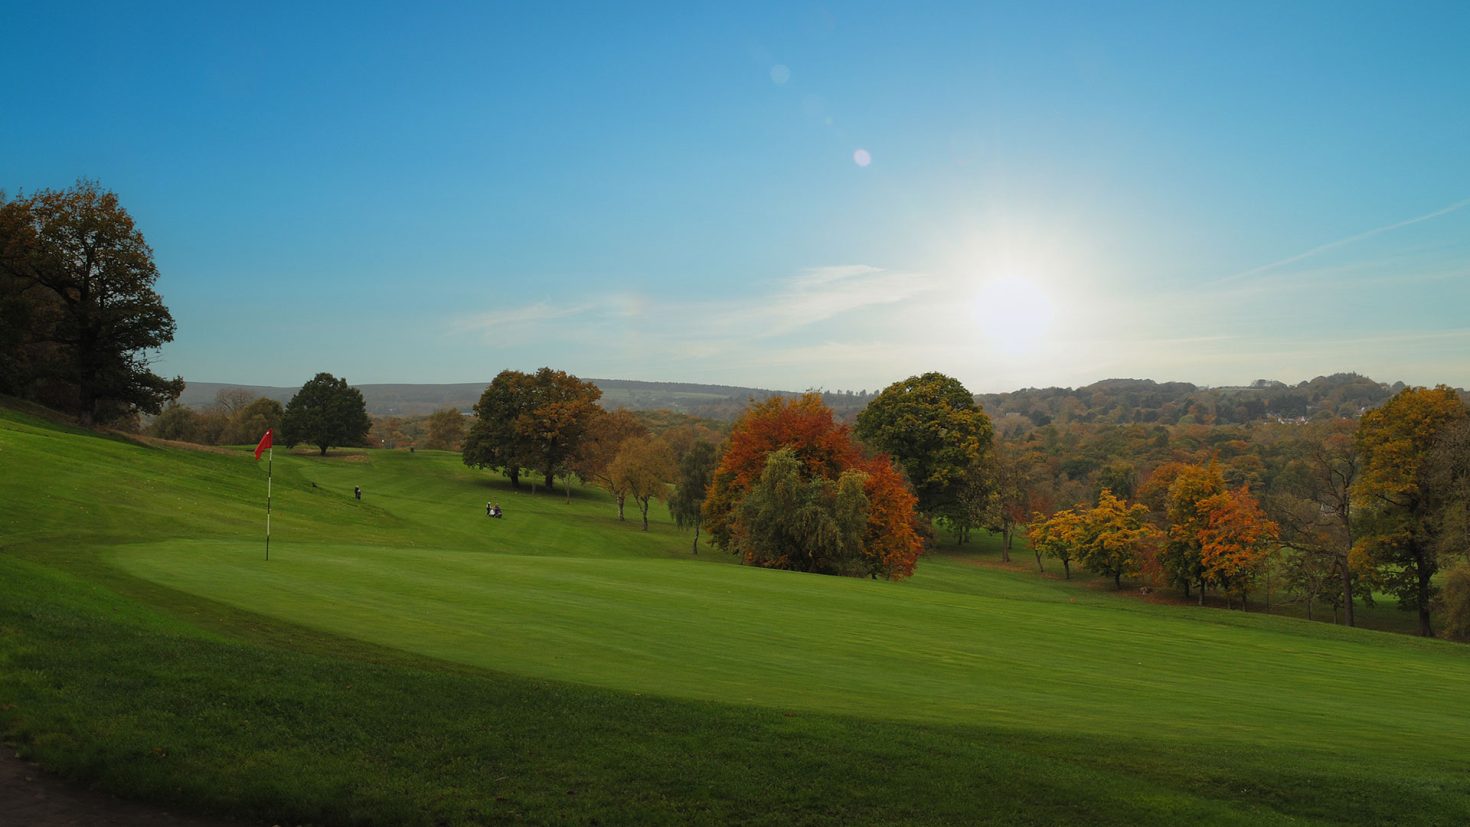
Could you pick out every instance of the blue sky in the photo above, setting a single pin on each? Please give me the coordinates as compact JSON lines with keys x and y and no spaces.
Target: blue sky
{"x":783,"y":195}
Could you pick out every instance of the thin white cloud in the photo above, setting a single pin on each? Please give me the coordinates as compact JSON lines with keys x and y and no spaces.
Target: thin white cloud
{"x":1343,"y":242}
{"x":513,"y":320}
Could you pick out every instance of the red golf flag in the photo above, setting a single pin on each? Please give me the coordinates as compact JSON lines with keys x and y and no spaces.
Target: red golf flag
{"x":265,"y":442}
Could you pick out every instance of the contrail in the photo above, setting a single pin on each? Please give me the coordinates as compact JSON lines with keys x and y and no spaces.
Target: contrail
{"x":1332,"y":245}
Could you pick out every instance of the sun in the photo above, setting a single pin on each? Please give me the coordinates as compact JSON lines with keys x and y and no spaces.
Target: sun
{"x":1014,"y":313}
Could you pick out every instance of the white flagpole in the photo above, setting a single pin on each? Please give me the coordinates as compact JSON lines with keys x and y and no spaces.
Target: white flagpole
{"x":269,"y":468}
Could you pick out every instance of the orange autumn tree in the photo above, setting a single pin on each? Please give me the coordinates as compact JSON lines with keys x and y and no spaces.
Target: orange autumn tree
{"x":793,"y":490}
{"x":1180,"y":558}
{"x":1234,"y":542}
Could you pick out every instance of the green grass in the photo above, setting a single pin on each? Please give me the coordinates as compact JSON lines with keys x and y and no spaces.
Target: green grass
{"x":405,"y":660}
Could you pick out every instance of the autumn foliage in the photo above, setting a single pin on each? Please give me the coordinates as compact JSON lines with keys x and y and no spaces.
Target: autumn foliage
{"x":818,"y":470}
{"x":1111,"y":538}
{"x":1234,"y":541}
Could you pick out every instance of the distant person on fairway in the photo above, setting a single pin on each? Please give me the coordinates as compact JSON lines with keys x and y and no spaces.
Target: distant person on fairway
{"x":357,"y":491}
{"x":489,"y":509}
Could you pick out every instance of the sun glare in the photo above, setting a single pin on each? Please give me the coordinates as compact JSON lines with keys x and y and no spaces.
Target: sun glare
{"x":1014,"y":313}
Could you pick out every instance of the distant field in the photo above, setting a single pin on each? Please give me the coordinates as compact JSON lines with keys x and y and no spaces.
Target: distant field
{"x":408,"y":659}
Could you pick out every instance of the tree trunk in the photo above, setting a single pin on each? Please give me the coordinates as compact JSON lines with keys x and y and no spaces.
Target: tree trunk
{"x":567,"y":482}
{"x":1421,"y":570}
{"x":1067,"y":568}
{"x":1039,"y":567}
{"x":643,"y":504}
{"x":1202,"y":592}
{"x":696,"y":537}
{"x":550,"y":481}
{"x":621,"y":499}
{"x":1347,"y":594}
{"x":1309,"y":607}
{"x":324,"y":449}
{"x":1005,"y":546}
{"x":1117,"y":580}
{"x":515,"y":477}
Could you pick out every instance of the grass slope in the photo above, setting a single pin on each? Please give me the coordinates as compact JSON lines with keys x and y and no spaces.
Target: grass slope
{"x":405,"y":660}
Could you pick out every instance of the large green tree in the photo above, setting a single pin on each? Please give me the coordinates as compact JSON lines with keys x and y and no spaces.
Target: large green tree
{"x":532,"y":422}
{"x":789,"y":521}
{"x":80,"y":315}
{"x":492,"y":441}
{"x":1402,"y":513}
{"x":326,"y":412}
{"x":936,"y":434}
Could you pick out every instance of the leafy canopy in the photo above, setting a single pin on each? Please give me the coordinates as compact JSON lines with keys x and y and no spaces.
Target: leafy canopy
{"x":534,"y":422}
{"x":326,"y":412}
{"x":1402,"y":517}
{"x":937,"y":435}
{"x":80,"y":315}
{"x":821,"y":452}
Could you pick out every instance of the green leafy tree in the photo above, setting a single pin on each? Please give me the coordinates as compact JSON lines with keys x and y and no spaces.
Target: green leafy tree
{"x":1313,"y":505}
{"x":935,"y":433}
{"x":532,"y":422}
{"x":691,"y":485}
{"x":325,"y":412}
{"x":493,"y":441}
{"x":1402,"y":514}
{"x":85,"y":316}
{"x":789,"y":521}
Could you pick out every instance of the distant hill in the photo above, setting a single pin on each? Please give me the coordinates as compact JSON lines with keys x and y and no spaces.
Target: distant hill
{"x":1124,"y":401}
{"x":1111,"y":401}
{"x":722,"y":402}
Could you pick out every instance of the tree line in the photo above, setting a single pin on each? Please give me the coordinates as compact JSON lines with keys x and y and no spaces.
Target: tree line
{"x":1341,"y":509}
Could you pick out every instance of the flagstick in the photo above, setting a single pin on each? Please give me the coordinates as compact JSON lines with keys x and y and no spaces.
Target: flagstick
{"x":269,"y":469}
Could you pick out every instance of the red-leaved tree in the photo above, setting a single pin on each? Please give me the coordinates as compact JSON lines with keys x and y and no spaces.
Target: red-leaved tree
{"x":804,"y":429}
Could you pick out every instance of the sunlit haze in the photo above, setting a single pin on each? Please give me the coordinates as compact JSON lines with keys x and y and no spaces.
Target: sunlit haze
{"x":774,"y":194}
